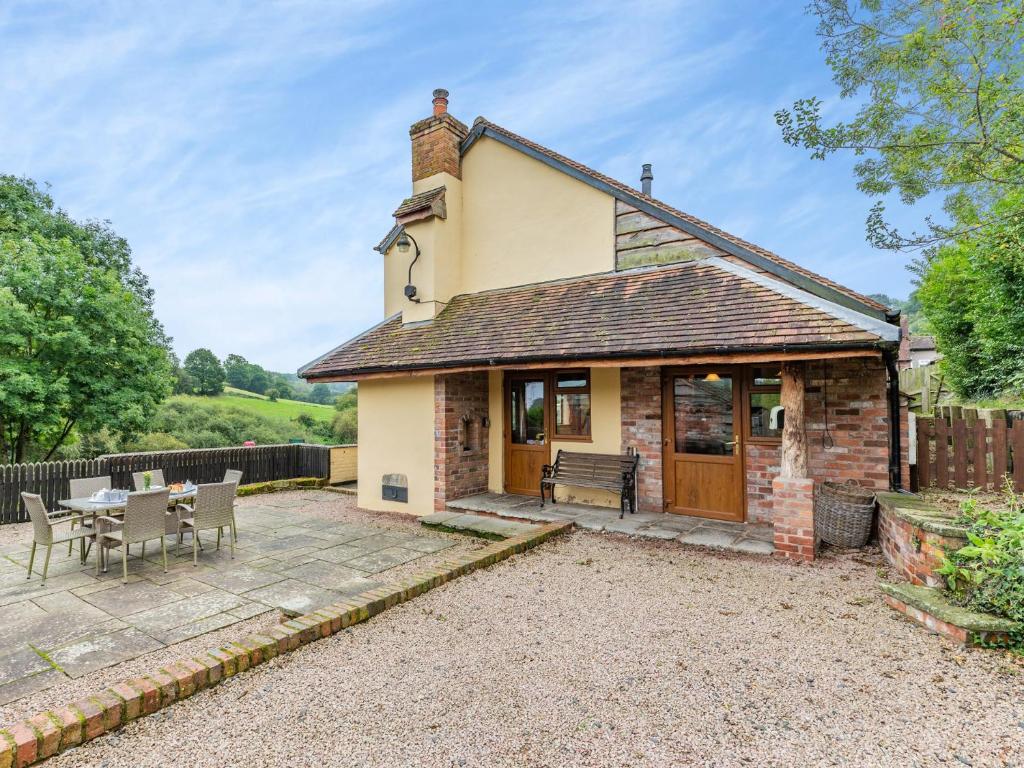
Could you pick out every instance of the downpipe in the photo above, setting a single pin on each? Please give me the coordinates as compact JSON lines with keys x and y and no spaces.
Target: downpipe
{"x":895,"y":444}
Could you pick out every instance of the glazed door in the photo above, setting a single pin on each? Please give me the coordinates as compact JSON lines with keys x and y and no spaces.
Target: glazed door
{"x":526,"y":432}
{"x":703,"y":461}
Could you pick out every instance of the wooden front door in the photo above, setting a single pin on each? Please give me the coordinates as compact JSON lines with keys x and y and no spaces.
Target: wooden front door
{"x":527,"y":447}
{"x":702,"y":457}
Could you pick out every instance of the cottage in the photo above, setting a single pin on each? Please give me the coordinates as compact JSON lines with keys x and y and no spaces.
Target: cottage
{"x":534,"y":305}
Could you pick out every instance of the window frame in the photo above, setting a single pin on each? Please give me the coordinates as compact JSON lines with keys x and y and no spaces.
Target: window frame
{"x":758,"y":389}
{"x":583,"y":373}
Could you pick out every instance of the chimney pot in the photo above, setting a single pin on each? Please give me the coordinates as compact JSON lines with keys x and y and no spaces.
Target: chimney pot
{"x":646,"y":177}
{"x":440,"y":101}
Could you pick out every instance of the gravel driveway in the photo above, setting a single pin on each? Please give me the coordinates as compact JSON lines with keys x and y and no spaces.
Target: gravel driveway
{"x":598,"y":651}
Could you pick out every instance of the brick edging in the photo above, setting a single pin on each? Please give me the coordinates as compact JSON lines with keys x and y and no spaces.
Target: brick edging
{"x":54,"y":731}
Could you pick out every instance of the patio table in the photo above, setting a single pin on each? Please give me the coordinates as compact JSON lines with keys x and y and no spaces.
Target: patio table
{"x":97,"y":508}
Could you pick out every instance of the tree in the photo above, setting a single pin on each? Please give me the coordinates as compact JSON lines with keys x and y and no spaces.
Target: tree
{"x":205,"y":371}
{"x":972,"y":292}
{"x":78,"y":349}
{"x":26,"y":209}
{"x":944,"y":108}
{"x":237,"y":371}
{"x":320,"y":393}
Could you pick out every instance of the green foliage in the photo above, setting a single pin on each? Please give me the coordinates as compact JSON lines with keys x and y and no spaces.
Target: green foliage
{"x":207,"y":423}
{"x":910,"y":308}
{"x":942,"y":89}
{"x":972,"y":293}
{"x":205,"y":371}
{"x":345,"y":427}
{"x":242,"y":374}
{"x":79,"y":346}
{"x":988,"y":574}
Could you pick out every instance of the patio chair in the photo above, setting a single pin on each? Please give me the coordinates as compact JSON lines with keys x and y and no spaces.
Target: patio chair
{"x":214,"y":509}
{"x":144,"y":520}
{"x":83,"y":488}
{"x":156,"y":477}
{"x":233,"y":476}
{"x":43,"y":533}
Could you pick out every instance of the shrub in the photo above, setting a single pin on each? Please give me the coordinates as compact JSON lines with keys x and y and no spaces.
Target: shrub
{"x":988,"y":574}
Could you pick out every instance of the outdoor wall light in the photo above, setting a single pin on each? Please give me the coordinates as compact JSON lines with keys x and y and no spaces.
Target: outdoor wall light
{"x":403,"y":247}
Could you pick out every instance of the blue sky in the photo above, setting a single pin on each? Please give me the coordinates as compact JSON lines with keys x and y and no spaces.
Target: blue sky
{"x":251,"y":152}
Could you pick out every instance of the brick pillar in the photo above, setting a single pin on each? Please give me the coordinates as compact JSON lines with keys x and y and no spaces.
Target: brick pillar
{"x":641,"y":430}
{"x":793,"y":490}
{"x":461,"y":456}
{"x":793,"y":517}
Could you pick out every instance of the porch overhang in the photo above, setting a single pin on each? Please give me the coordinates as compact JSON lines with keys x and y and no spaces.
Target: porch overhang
{"x":732,"y":356}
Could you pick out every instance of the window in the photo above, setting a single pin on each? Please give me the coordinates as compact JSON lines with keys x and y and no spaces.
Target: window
{"x":572,"y":405}
{"x":766,"y":413}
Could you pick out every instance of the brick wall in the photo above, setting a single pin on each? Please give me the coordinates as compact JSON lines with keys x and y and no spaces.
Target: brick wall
{"x":762,"y":462}
{"x":641,"y":430}
{"x":857,"y":421}
{"x":460,"y":440}
{"x":858,"y":428}
{"x":913,"y":551}
{"x":435,"y":146}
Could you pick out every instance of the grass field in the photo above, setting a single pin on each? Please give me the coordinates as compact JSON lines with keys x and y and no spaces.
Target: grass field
{"x":280,"y":409}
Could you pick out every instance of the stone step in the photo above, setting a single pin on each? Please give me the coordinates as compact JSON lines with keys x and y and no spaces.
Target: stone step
{"x":482,"y":526}
{"x":931,"y":608}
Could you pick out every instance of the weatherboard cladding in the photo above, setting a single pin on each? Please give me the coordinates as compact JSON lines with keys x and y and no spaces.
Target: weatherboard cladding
{"x":682,"y":309}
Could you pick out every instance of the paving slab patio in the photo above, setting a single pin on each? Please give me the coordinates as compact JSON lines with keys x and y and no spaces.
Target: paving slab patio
{"x":287,"y":561}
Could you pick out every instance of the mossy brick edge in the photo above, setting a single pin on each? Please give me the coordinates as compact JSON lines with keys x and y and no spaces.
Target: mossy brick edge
{"x":41,"y":736}
{"x":274,"y":486}
{"x":922,"y":514}
{"x":934,"y":603}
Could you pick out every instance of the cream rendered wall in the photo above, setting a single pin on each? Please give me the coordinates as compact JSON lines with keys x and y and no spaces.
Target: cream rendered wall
{"x":606,"y":431}
{"x":524,"y":222}
{"x":437,"y":272}
{"x":396,"y":434}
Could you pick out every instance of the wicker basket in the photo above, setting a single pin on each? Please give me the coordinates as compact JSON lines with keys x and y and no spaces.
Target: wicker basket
{"x":843,"y":514}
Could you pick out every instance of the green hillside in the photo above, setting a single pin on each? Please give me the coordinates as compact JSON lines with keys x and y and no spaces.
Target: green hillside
{"x":278,"y":409}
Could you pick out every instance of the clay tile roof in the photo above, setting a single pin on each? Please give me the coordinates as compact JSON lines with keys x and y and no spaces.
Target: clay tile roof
{"x":678,"y":310}
{"x":419,"y":202}
{"x":741,"y":243}
{"x":922,"y":343}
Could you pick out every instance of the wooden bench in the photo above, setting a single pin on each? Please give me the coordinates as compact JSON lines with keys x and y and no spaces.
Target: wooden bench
{"x":609,"y":472}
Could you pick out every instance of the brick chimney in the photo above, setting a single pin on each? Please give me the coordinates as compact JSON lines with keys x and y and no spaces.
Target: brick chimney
{"x":436,"y":140}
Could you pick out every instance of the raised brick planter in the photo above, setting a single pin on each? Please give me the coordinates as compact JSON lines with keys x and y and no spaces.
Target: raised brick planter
{"x":54,"y":731}
{"x":914,"y":535}
{"x":930,"y":608}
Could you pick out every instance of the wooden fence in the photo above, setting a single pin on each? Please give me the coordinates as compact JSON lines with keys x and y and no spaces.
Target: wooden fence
{"x":964,"y":451}
{"x":202,"y":465}
{"x":923,"y":387}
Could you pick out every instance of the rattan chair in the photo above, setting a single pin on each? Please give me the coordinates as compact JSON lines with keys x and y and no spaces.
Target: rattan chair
{"x":144,"y":520}
{"x":83,"y":488}
{"x":156,"y":479}
{"x":43,"y":523}
{"x":214,"y":509}
{"x":233,"y":476}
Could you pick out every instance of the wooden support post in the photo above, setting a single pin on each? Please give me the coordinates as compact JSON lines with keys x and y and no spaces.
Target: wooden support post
{"x":794,"y":436}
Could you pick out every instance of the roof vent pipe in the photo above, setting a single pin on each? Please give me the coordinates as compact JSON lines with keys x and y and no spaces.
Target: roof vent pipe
{"x":645,"y":179}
